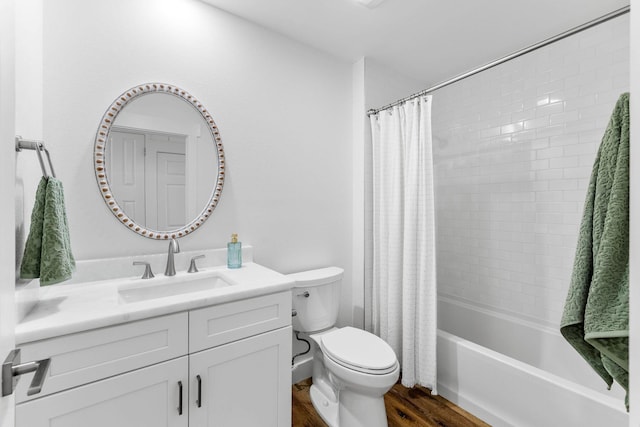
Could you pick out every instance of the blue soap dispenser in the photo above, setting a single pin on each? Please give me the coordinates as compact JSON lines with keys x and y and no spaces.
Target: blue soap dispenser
{"x":234,"y":252}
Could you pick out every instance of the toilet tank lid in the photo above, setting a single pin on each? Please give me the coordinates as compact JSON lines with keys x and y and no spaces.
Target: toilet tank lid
{"x":317,"y":277}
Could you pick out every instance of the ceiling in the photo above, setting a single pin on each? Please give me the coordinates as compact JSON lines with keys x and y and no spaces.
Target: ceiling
{"x":428,"y":40}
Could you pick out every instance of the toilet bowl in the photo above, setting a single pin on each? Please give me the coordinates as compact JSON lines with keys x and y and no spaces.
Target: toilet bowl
{"x":352,"y":368}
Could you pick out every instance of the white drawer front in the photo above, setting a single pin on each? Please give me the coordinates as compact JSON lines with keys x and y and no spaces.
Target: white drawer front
{"x":100,"y":353}
{"x":220,"y":324}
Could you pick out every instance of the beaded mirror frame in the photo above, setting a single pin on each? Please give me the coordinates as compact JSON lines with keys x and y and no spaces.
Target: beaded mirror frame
{"x":101,"y":139}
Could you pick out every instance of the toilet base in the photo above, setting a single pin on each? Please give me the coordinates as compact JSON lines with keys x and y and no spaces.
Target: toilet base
{"x":352,"y":410}
{"x":327,"y":409}
{"x":358,"y":410}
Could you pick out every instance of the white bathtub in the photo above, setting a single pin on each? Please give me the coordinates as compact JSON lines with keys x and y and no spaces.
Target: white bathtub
{"x":517,"y":373}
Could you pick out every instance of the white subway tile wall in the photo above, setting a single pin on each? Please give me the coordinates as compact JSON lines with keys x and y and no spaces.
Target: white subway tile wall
{"x":513,"y":152}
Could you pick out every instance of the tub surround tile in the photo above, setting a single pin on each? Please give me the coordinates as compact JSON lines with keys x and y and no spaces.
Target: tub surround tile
{"x":513,"y":152}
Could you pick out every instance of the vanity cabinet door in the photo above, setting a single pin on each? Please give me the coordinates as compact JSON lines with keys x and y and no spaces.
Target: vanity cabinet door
{"x":147,"y":397}
{"x":243,"y":383}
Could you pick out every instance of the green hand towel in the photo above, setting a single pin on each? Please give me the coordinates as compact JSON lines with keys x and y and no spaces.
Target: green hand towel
{"x":30,"y":266}
{"x":47,"y":253}
{"x":57,"y":263}
{"x":596,"y":313}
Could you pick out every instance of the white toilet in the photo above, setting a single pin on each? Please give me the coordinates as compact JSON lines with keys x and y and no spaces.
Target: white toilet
{"x":352,"y":368}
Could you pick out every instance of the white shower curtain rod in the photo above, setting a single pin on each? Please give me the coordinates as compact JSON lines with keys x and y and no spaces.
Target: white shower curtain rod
{"x":514,"y":55}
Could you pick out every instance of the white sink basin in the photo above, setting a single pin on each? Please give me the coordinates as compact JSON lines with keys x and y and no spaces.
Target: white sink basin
{"x":162,"y":287}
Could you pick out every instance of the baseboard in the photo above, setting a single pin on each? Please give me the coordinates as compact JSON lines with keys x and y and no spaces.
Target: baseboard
{"x":302,"y":368}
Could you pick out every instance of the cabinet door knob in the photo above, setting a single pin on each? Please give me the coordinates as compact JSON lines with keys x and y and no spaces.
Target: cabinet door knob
{"x":179,"y":397}
{"x":199,"y":399}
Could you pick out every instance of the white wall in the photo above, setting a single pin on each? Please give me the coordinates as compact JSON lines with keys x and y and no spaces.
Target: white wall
{"x":282,"y":108}
{"x":359,"y":148}
{"x":28,"y":107}
{"x":7,"y":178}
{"x":514,"y":147}
{"x":384,"y":85}
{"x":634,"y":255}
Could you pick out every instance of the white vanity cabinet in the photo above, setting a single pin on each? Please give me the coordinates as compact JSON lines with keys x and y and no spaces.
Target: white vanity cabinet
{"x":224,"y":365}
{"x":147,"y":397}
{"x":246,"y":382}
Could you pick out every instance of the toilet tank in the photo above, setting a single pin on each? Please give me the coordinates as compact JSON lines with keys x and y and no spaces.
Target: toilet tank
{"x":316,"y":298}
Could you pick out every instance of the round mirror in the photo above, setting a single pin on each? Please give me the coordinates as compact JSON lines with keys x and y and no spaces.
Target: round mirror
{"x":159,"y":161}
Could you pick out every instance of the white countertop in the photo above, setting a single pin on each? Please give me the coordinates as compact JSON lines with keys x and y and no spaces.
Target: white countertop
{"x":78,"y":307}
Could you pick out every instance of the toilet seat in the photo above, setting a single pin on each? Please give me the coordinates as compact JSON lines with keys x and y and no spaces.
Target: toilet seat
{"x":359,"y":350}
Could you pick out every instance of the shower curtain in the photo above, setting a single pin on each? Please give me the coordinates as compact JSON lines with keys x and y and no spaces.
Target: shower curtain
{"x":404,"y":264}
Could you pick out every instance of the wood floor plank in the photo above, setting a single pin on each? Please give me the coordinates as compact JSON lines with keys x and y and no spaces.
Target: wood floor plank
{"x":435,"y":410}
{"x":414,"y":407}
{"x":303,"y":414}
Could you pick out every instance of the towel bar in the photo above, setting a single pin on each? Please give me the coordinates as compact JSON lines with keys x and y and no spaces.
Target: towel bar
{"x":38,"y":146}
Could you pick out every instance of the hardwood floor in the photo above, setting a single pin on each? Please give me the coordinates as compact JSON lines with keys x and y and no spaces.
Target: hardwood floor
{"x":405,"y":407}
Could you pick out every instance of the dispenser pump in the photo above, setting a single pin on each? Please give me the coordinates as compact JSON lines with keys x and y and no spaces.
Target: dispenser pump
{"x":234,"y":252}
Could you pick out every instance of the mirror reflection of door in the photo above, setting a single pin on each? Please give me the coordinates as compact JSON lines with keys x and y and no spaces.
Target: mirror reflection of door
{"x":125,"y":160}
{"x":147,"y":172}
{"x":165,"y":181}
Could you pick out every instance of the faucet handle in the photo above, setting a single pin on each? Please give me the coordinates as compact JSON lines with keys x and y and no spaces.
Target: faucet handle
{"x":148,"y":274}
{"x":192,"y":267}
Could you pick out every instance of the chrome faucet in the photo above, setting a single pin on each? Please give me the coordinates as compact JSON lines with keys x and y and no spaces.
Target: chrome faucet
{"x":174,"y":248}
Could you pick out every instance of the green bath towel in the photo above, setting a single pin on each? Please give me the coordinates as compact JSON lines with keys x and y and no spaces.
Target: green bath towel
{"x":596,"y":313}
{"x":47,"y":253}
{"x":30,"y":267}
